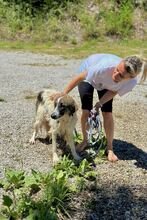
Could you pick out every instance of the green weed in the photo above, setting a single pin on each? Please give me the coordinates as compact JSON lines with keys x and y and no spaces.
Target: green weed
{"x":29,"y":94}
{"x":44,"y":21}
{"x":2,"y":99}
{"x":89,"y":24}
{"x":119,"y":21}
{"x":43,"y":195}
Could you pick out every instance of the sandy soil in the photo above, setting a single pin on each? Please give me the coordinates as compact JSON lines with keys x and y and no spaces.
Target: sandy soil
{"x":120,"y":191}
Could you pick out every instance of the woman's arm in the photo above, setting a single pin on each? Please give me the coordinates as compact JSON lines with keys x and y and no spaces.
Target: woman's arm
{"x":75,"y":82}
{"x":72,"y":84}
{"x":105,"y":98}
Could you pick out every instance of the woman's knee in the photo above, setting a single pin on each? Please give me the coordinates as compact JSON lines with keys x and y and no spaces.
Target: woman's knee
{"x":107,"y":115}
{"x":85,"y":114}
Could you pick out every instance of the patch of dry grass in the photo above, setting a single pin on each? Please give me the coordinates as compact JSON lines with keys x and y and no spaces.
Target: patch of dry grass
{"x":2,"y":99}
{"x":29,"y":94}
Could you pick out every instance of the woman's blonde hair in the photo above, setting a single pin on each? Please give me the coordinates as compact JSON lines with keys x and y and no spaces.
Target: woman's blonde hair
{"x":136,"y":65}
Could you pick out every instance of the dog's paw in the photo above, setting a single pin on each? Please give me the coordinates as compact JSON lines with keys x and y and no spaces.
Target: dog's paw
{"x":55,"y":158}
{"x":32,"y":141}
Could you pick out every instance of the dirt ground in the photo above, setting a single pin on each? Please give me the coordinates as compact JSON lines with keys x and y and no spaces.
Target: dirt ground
{"x":120,"y":191}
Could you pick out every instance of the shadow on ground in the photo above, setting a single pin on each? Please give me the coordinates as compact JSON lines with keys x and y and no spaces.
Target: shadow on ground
{"x":113,"y":201}
{"x":119,"y":202}
{"x":128,"y":151}
{"x":108,"y":203}
{"x":124,"y":150}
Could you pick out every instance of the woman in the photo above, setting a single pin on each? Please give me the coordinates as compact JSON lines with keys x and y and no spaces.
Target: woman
{"x":109,"y":75}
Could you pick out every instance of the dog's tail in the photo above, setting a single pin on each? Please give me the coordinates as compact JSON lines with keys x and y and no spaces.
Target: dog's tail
{"x":39,"y":99}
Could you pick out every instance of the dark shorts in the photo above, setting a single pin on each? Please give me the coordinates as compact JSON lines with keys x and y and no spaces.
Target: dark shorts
{"x":86,"y":94}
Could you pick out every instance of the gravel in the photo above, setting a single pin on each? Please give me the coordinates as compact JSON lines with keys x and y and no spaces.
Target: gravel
{"x":120,"y":190}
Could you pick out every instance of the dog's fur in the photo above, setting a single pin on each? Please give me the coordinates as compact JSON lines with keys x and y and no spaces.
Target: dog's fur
{"x":58,"y":118}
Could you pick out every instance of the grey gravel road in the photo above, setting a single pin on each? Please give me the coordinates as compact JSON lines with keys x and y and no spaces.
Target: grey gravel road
{"x":122,"y":187}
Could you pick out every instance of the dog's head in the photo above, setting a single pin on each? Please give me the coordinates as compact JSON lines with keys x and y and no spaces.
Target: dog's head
{"x":64,"y":105}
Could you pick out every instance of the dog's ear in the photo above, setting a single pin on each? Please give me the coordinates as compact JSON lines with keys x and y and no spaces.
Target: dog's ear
{"x":39,"y":99}
{"x":72,"y":108}
{"x":40,"y":96}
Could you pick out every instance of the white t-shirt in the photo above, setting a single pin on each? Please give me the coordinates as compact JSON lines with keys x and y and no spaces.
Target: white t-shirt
{"x":100,"y":68}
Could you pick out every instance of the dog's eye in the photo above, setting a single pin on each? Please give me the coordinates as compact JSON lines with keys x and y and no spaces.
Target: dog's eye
{"x":62,"y":106}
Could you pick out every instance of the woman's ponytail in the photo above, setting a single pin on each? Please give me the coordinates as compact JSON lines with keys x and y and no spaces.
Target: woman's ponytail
{"x":144,"y":70}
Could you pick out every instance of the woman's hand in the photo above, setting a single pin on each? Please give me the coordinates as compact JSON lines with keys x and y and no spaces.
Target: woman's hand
{"x":70,"y":86}
{"x":97,"y":106}
{"x":55,"y":96}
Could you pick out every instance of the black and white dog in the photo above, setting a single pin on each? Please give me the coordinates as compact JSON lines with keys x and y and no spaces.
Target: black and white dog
{"x":57,"y":118}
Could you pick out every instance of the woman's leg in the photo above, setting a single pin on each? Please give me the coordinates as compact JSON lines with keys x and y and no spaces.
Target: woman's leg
{"x":108,"y":126}
{"x":84,"y":117}
{"x":109,"y":131}
{"x":86,"y":95}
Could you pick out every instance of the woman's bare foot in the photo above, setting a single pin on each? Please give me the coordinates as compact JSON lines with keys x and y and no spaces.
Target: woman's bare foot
{"x":80,"y":147}
{"x":111,"y":156}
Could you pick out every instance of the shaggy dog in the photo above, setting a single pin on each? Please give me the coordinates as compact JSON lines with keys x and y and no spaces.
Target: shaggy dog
{"x":58,"y":118}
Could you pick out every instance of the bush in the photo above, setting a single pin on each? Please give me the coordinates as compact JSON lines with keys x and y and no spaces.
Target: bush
{"x":40,"y":5}
{"x":90,"y":26}
{"x":119,"y":22}
{"x":51,"y":20}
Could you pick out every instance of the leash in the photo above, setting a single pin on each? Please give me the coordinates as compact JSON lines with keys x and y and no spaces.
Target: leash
{"x":96,"y":139}
{"x":94,"y":131}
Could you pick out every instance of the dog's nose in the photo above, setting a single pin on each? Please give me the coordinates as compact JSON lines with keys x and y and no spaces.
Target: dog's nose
{"x":54,"y":116}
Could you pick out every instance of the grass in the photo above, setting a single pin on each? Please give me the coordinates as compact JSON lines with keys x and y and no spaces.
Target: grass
{"x":30,"y":97}
{"x":2,"y":99}
{"x":29,"y":94}
{"x":118,"y":115}
{"x":3,"y":218}
{"x":119,"y":47}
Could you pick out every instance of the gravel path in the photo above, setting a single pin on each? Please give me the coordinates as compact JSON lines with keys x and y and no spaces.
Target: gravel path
{"x":121,"y":188}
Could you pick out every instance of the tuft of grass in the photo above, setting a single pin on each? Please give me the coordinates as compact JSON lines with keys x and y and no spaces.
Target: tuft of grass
{"x":2,"y":99}
{"x":118,"y":115}
{"x":3,"y":218}
{"x":30,"y":94}
{"x":89,"y":25}
{"x":119,"y":21}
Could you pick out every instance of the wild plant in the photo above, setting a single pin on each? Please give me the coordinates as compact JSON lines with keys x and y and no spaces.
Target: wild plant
{"x":43,"y":195}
